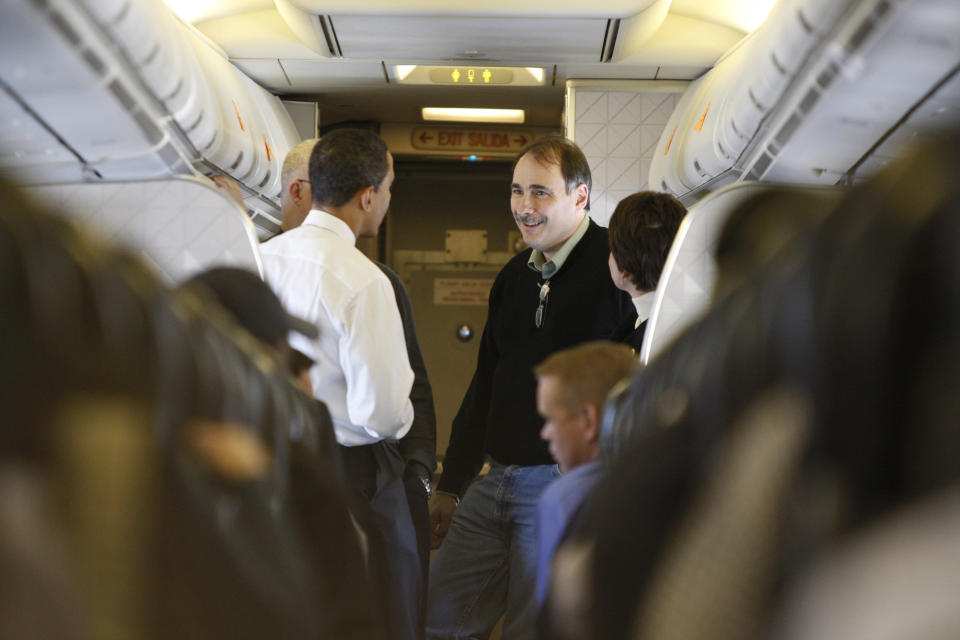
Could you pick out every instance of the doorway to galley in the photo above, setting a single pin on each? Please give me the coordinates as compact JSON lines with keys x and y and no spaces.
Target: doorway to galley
{"x":448,"y":233}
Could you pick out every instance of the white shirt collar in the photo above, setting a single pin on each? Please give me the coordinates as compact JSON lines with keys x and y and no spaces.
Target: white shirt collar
{"x":644,"y":304}
{"x":324,"y":220}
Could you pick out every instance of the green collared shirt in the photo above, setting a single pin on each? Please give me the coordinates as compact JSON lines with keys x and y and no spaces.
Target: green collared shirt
{"x":538,"y":262}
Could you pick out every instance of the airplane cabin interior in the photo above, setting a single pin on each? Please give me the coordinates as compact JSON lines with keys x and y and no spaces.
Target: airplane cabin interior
{"x":792,"y":432}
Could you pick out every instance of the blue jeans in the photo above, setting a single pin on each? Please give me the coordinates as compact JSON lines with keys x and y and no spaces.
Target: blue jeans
{"x":487,"y":563}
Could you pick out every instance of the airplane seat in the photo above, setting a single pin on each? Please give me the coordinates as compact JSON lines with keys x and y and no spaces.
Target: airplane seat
{"x":885,"y":266}
{"x":311,"y":425}
{"x":176,"y":533}
{"x":813,"y":357}
{"x":890,"y":564}
{"x":689,"y":274}
{"x":765,"y":227}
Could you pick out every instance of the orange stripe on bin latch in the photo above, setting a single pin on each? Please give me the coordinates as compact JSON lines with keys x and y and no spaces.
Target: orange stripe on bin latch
{"x":702,"y":118}
{"x":239,"y":119}
{"x":267,"y":145}
{"x":670,"y":141}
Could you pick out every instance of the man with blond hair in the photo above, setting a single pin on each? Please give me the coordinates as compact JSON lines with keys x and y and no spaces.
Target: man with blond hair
{"x":572,"y":387}
{"x":296,"y":197}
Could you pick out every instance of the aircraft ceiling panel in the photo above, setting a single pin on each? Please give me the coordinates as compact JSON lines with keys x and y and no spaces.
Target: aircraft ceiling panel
{"x":543,"y":105}
{"x":680,"y":41}
{"x":501,"y":8}
{"x":317,"y":76}
{"x":532,"y":40}
{"x":605,"y":71}
{"x":267,"y":73}
{"x":680,"y":73}
{"x":258,"y":34}
{"x":742,"y":15}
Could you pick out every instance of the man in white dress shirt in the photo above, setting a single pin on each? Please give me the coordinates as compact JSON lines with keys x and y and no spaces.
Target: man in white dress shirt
{"x":362,"y":370}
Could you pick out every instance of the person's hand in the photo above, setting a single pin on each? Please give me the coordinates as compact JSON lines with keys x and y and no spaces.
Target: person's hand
{"x":230,"y":187}
{"x":442,"y":507}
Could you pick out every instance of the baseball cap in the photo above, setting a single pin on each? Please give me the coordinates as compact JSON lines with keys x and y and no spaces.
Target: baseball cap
{"x":253,"y":304}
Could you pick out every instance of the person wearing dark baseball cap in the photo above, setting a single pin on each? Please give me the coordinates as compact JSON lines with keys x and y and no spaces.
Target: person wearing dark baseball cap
{"x":316,"y":494}
{"x":257,"y":309}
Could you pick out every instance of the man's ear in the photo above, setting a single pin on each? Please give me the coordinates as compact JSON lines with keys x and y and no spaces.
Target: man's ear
{"x":583,"y":195}
{"x":366,"y":197}
{"x":296,"y":191}
{"x":591,"y":414}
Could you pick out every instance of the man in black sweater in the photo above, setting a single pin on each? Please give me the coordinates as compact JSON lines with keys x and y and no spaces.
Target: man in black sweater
{"x":553,"y":296}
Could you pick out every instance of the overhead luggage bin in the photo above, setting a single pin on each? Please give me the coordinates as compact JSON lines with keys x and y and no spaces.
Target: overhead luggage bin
{"x":54,"y":58}
{"x":157,"y":46}
{"x":159,"y":99}
{"x":689,"y":278}
{"x":27,"y":148}
{"x":808,"y":97}
{"x":726,"y":106}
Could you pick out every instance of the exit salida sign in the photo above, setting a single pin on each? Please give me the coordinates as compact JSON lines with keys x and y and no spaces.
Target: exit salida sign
{"x":474,"y":140}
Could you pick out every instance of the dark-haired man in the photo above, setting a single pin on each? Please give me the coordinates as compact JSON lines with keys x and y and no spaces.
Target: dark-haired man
{"x":642,"y":229}
{"x":418,"y":446}
{"x":555,"y":295}
{"x":362,"y":370}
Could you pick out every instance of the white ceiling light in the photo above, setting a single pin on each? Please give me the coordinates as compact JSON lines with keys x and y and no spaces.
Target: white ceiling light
{"x":754,"y":13}
{"x":194,"y":11}
{"x":742,"y":15}
{"x":446,"y":114}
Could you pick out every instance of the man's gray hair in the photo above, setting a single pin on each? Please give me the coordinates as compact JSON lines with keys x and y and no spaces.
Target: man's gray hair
{"x":295,"y":165}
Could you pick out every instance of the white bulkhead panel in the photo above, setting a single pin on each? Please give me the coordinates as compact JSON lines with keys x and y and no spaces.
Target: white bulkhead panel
{"x":179,"y":225}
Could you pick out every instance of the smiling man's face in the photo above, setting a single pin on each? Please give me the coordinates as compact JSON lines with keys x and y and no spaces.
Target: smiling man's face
{"x":544,"y":212}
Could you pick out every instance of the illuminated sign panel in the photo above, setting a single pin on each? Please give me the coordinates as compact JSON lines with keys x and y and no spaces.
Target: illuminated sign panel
{"x":471,"y":75}
{"x":477,"y":76}
{"x":476,"y":140}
